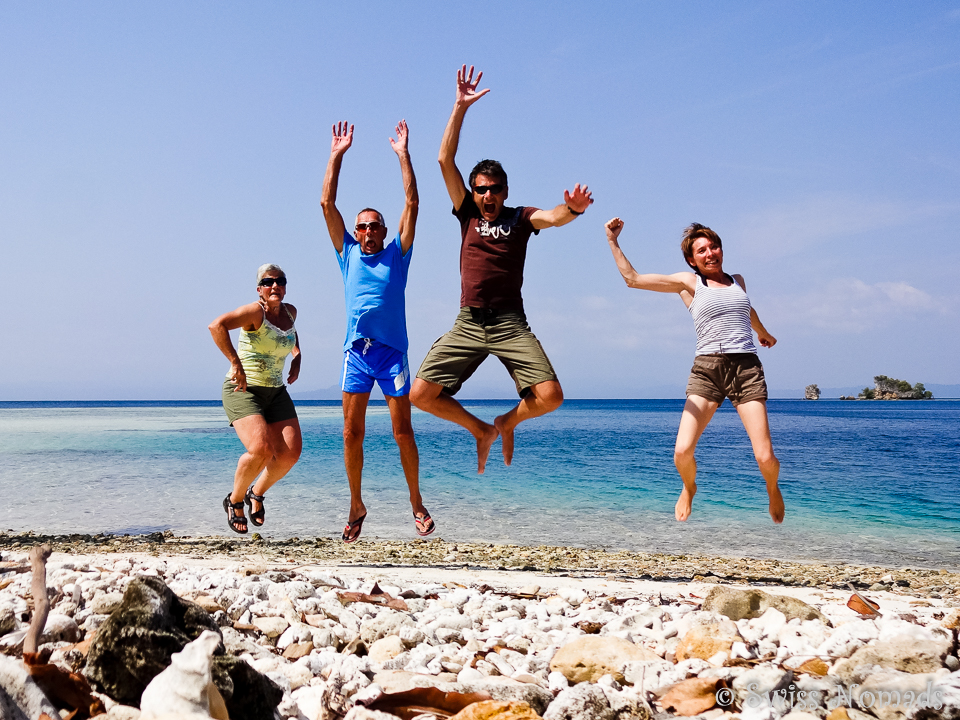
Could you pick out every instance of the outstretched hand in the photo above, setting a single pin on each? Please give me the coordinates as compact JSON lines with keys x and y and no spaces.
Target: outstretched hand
{"x":578,"y":200}
{"x":400,"y":144}
{"x":467,"y":93}
{"x":342,"y":138}
{"x":613,"y":227}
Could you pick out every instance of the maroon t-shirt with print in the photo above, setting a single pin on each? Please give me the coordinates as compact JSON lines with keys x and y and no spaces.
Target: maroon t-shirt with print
{"x":492,"y":256}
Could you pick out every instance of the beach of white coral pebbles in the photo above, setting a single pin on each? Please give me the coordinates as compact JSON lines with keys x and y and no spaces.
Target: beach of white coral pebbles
{"x":597,"y":648}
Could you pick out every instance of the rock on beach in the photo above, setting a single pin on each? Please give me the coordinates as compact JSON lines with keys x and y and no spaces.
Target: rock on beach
{"x":306,"y":639}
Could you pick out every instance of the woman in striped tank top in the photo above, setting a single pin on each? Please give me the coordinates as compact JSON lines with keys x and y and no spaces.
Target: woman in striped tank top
{"x":726,"y":363}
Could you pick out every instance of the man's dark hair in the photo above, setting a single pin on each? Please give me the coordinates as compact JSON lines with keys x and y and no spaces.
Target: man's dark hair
{"x":693,"y":232}
{"x":380,"y":214}
{"x":492,"y":168}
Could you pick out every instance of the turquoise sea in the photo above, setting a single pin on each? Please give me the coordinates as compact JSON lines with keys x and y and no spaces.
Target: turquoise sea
{"x":864,"y":482}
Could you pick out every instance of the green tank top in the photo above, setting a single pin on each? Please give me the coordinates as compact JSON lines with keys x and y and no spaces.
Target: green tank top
{"x":263,"y":352}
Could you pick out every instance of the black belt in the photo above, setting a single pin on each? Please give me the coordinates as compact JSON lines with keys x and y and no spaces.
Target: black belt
{"x":491,"y":316}
{"x":484,"y":316}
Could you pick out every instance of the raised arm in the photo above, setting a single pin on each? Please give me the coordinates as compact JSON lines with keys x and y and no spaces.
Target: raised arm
{"x":573,"y":206}
{"x":676,"y":283}
{"x":246,"y":316}
{"x":342,"y":139}
{"x":467,"y":95}
{"x":408,"y":218}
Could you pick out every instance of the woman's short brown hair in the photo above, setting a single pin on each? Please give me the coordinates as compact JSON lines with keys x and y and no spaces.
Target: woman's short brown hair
{"x":693,"y":232}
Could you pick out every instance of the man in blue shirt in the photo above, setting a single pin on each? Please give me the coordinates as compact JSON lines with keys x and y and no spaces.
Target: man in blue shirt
{"x":374,"y":279}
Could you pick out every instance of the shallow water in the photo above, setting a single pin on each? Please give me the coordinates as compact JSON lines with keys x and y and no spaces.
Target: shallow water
{"x":871,"y":483}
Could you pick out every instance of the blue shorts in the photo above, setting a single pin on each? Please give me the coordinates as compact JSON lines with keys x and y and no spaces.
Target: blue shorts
{"x":369,"y":360}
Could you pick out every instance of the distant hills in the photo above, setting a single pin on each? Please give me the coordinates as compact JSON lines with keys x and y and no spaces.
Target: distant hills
{"x":940,"y":392}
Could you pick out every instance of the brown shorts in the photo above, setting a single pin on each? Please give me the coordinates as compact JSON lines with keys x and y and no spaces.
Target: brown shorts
{"x":738,"y":376}
{"x":273,"y":403}
{"x":456,"y":356}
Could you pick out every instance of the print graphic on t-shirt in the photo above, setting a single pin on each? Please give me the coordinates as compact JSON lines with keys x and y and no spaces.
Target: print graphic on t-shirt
{"x":501,"y":227}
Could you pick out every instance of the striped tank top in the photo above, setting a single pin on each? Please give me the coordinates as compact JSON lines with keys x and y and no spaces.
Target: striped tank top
{"x":721,"y":317}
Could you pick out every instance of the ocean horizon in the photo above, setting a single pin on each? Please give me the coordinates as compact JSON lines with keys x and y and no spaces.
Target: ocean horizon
{"x":870,"y":482}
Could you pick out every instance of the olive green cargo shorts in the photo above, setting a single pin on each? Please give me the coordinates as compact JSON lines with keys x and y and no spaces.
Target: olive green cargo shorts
{"x":274,"y":403}
{"x":477,"y":335}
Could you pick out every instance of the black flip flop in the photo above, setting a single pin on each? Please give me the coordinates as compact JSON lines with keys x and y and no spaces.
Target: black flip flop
{"x":423,"y":520}
{"x":348,"y":537}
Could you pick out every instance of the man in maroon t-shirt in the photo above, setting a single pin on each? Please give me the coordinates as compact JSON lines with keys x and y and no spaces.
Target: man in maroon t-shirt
{"x":491,"y":320}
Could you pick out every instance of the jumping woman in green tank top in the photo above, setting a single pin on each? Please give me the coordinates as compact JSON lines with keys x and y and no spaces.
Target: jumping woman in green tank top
{"x":254,"y":396}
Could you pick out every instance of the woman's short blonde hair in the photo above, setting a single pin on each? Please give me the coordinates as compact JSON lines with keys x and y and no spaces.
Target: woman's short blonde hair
{"x":269,"y":267}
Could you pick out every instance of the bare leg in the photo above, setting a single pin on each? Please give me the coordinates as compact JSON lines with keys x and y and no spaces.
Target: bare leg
{"x":697,"y":413}
{"x":255,"y":436}
{"x":543,"y":398}
{"x":430,"y":398}
{"x":287,"y":444}
{"x":354,"y":427}
{"x":407,"y":444}
{"x":753,"y":414}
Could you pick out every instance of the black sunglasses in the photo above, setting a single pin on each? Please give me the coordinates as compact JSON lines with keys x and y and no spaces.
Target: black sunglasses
{"x":369,"y":226}
{"x":483,"y":189}
{"x":269,"y":281}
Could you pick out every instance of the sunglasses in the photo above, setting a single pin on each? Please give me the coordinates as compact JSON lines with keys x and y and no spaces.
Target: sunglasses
{"x":484,"y":189}
{"x":369,"y":226}
{"x":269,"y":281}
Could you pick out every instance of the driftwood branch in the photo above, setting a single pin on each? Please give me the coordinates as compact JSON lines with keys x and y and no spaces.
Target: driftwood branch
{"x":41,"y":603}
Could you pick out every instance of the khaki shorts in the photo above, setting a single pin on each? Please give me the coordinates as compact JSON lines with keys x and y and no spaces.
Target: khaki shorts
{"x":738,"y":376}
{"x":273,"y":403}
{"x":456,"y":356}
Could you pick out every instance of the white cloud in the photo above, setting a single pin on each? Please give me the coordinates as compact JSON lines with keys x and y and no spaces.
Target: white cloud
{"x":788,"y":229}
{"x":850,"y":305}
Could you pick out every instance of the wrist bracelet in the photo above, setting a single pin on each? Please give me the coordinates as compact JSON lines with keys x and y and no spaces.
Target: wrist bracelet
{"x":574,"y":211}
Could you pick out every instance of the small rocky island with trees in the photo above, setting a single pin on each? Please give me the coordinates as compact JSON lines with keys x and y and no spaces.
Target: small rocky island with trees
{"x":887,"y":388}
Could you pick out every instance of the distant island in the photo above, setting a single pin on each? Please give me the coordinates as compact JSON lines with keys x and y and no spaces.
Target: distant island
{"x":887,"y":388}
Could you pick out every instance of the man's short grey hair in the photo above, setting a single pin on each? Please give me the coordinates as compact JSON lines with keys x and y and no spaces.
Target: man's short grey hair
{"x":269,"y":267}
{"x":379,"y":214}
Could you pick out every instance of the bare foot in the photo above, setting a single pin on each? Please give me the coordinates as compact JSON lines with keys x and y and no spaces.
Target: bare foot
{"x":506,"y":439}
{"x":776,"y":504}
{"x":684,"y":505}
{"x":484,"y":443}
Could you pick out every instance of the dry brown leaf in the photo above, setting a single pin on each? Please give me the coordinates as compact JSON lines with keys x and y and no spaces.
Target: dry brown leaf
{"x":65,"y":689}
{"x":691,"y":697}
{"x":865,"y":607}
{"x":218,"y":708}
{"x":410,"y":703}
{"x":815,"y":666}
{"x":494,"y":709}
{"x":375,"y":597}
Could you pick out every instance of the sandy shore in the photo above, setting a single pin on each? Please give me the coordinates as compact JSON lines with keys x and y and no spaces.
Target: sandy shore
{"x":517,"y":622}
{"x":556,"y":562}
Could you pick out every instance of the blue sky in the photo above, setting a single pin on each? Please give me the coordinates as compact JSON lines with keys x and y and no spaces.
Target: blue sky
{"x":153,"y":155}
